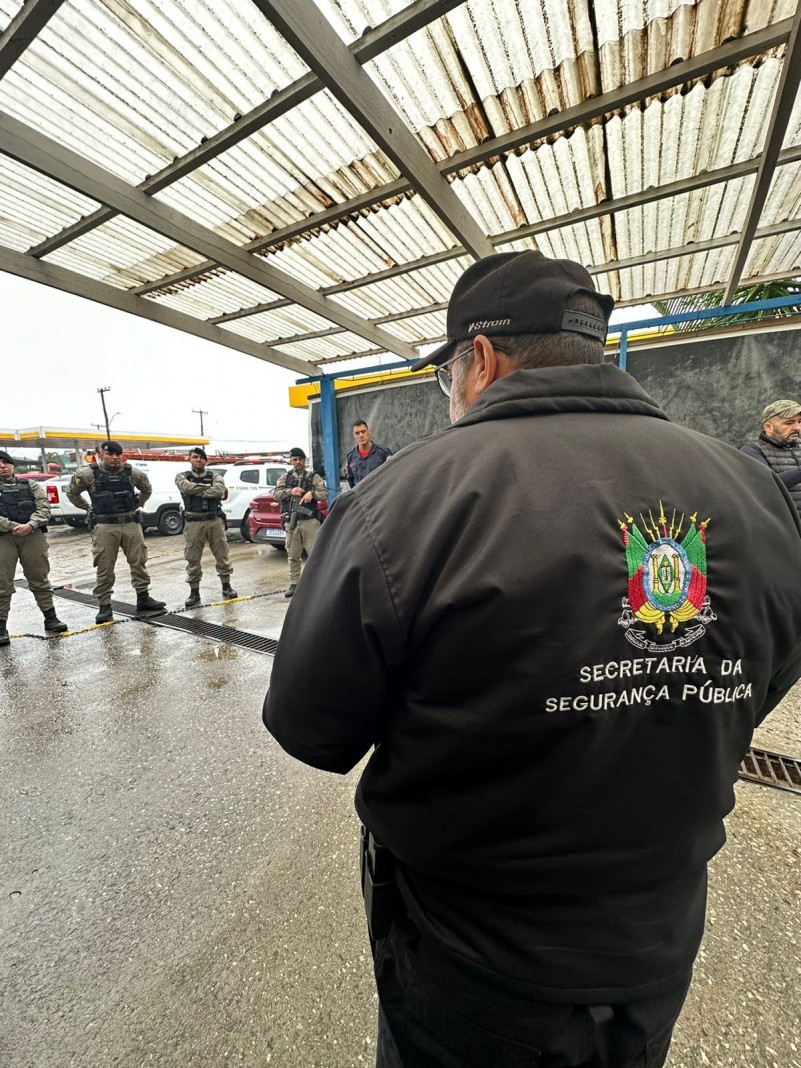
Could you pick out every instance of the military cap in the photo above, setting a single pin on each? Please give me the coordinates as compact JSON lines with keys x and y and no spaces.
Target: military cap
{"x":111,"y":446}
{"x":297,"y":452}
{"x":781,"y":409}
{"x":9,"y":459}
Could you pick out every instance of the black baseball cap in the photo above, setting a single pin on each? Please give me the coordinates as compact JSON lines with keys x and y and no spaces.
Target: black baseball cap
{"x":111,"y":446}
{"x":519,"y":293}
{"x":297,"y":452}
{"x":9,"y":459}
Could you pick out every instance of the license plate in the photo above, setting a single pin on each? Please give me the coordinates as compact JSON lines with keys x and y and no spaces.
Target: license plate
{"x":270,"y":534}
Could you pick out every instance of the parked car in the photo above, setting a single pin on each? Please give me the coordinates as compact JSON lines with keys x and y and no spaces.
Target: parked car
{"x":265,"y":520}
{"x":61,"y":509}
{"x":245,"y":480}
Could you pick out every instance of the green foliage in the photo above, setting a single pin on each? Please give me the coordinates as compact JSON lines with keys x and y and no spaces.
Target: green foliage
{"x":745,"y":295}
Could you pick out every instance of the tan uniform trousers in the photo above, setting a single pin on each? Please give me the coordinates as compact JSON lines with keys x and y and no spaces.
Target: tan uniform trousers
{"x":107,"y":539}
{"x":199,"y":533}
{"x":302,"y":537}
{"x":30,"y":550}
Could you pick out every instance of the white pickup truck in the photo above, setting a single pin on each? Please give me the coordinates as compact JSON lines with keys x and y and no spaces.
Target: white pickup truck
{"x":244,"y":480}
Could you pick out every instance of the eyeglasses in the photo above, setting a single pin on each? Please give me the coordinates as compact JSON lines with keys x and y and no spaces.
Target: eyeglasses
{"x":443,"y":372}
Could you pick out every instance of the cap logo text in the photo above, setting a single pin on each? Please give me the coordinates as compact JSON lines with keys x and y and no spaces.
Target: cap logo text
{"x":487,"y":324}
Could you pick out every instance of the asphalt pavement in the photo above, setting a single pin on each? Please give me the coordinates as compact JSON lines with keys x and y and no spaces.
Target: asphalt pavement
{"x":176,"y":891}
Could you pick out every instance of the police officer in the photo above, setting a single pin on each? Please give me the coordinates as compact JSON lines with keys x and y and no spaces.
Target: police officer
{"x":299,"y":491}
{"x":117,"y":492}
{"x":24,"y":513}
{"x":202,"y":492}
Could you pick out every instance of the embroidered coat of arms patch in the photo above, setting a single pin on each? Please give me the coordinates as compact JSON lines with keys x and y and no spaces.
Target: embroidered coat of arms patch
{"x":666,"y":580}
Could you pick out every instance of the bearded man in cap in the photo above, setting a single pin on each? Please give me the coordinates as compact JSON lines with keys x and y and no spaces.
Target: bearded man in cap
{"x":778,"y":445}
{"x":117,"y":491}
{"x":558,"y":631}
{"x":24,"y":513}
{"x":299,"y":492}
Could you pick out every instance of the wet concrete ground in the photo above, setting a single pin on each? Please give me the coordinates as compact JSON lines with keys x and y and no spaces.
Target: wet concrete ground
{"x":176,"y":891}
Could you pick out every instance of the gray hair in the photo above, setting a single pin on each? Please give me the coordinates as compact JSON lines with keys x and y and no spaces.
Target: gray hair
{"x":556,"y":350}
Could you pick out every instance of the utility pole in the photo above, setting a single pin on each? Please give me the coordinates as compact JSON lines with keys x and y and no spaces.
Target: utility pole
{"x":102,"y":392}
{"x":201,"y":412}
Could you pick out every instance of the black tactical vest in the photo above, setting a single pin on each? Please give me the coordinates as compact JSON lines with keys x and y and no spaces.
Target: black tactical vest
{"x":305,"y":483}
{"x":113,"y":493}
{"x":782,"y":458}
{"x":17,"y":502}
{"x":207,"y":506}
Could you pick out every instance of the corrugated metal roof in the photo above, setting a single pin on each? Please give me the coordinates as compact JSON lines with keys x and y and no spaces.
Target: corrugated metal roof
{"x":207,"y":99}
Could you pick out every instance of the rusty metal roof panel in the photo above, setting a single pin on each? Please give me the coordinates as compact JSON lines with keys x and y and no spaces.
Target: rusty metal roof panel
{"x":124,"y":254}
{"x":32,"y":206}
{"x":681,"y":272}
{"x":775,"y":255}
{"x":108,"y":79}
{"x":280,"y":323}
{"x":221,"y":295}
{"x":301,"y":164}
{"x":431,"y":284}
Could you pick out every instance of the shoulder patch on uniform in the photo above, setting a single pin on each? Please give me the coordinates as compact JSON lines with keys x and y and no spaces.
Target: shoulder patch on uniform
{"x":667,"y":587}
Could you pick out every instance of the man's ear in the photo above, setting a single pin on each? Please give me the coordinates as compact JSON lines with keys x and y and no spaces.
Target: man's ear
{"x":488,"y":365}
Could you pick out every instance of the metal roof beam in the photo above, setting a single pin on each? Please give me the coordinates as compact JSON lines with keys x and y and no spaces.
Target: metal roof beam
{"x":33,"y":149}
{"x":371,"y":44}
{"x":631,"y":302}
{"x":677,"y":74}
{"x":49,"y":274}
{"x":593,"y":211}
{"x":31,"y":18}
{"x":783,"y":104}
{"x":313,"y":37}
{"x":693,"y":248}
{"x":607,"y":103}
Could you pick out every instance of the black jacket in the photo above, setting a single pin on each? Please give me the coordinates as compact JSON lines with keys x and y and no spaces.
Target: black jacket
{"x":552,"y":768}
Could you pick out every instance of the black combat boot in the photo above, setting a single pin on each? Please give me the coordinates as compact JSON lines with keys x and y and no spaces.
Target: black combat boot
{"x":145,"y":603}
{"x":105,"y":615}
{"x":52,"y":623}
{"x":4,"y":638}
{"x":228,"y":592}
{"x":193,"y":600}
{"x":291,"y":591}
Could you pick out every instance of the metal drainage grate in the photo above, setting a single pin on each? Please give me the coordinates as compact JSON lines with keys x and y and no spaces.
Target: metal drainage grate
{"x":771,"y":769}
{"x":198,"y":627}
{"x":215,"y":632}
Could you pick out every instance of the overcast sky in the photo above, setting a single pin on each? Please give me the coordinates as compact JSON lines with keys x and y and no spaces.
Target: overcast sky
{"x":58,"y":350}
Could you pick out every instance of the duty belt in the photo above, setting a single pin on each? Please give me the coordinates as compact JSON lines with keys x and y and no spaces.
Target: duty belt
{"x":129,"y":517}
{"x":194,"y":517}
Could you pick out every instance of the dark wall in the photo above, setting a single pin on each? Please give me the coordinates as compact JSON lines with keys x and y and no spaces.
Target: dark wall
{"x":718,"y":386}
{"x":396,"y":415}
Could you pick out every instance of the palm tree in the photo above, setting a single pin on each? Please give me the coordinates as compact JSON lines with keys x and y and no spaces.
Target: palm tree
{"x":746,"y":294}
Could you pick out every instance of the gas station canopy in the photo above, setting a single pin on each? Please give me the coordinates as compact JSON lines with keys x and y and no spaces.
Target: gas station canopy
{"x":304,"y":181}
{"x":46,"y":437}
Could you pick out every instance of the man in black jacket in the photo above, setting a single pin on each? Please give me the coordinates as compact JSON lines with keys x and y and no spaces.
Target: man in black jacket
{"x":560,"y":680}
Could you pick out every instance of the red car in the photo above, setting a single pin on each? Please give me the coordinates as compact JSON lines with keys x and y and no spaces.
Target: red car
{"x":264,"y":521}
